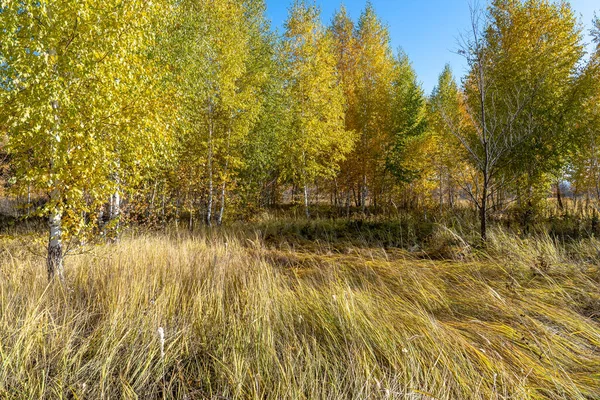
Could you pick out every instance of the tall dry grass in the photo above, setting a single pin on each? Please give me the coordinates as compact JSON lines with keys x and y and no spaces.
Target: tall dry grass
{"x":244,"y":321}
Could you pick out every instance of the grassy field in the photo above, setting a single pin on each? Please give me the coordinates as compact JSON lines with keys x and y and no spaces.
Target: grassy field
{"x":307,"y":312}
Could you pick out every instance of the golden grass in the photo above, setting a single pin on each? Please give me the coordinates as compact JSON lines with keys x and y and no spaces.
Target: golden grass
{"x":242,"y":321}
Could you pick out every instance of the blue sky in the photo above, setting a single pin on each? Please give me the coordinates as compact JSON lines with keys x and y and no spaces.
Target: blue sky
{"x":427,"y":30}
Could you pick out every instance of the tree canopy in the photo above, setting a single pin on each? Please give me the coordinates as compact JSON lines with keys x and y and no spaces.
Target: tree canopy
{"x":198,"y":110}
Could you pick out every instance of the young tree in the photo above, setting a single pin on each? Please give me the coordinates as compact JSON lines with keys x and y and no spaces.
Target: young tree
{"x":516,"y":92}
{"x":259,"y":173}
{"x":585,"y":159}
{"x":251,"y":94}
{"x":409,"y":119}
{"x":346,"y":51}
{"x":219,"y":49}
{"x":596,"y":33}
{"x":66,"y":68}
{"x":541,"y":46}
{"x":375,"y":74}
{"x":316,"y":141}
{"x":447,"y":158}
{"x":385,"y":107}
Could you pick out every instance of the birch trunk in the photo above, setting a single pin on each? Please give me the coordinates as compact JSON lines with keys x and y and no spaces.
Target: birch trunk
{"x":441,"y":193}
{"x":115,"y":213}
{"x":222,"y":209}
{"x":162,"y":205}
{"x":363,"y":194}
{"x":100,"y":219}
{"x":307,"y":211}
{"x":483,"y":215}
{"x":115,"y":210}
{"x":54,"y":261}
{"x":210,"y":169}
{"x":335,"y":194}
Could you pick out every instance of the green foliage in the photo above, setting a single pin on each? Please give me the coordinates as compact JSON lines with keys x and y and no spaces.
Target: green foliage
{"x":192,"y":107}
{"x":221,"y":54}
{"x":316,"y":141}
{"x":77,"y":96}
{"x":446,"y":108}
{"x":596,"y":30}
{"x":409,"y":120}
{"x":533,"y":53}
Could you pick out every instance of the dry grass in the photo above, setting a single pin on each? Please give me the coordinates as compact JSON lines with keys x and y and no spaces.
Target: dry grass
{"x":242,"y":321}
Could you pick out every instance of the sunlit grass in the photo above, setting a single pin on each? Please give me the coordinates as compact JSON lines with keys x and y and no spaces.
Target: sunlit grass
{"x":245,"y":320}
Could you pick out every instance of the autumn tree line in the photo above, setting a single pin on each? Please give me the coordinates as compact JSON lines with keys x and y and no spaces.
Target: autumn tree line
{"x":197,"y":110}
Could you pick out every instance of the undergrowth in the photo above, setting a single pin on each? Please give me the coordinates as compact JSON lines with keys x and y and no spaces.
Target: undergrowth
{"x":245,"y":319}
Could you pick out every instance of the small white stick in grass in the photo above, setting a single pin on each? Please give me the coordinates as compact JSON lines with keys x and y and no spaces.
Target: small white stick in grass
{"x":161,"y":336}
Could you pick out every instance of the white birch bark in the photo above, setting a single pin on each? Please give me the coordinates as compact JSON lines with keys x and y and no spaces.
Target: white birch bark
{"x":54,"y":260}
{"x":210,"y":168}
{"x":306,"y":209}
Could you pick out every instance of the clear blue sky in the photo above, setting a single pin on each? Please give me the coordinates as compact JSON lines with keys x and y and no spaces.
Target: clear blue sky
{"x":427,"y":30}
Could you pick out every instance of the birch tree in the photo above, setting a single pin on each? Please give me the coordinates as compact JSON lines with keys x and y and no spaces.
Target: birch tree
{"x":375,"y":73}
{"x":345,"y":43}
{"x":585,"y":159}
{"x":218,"y":50}
{"x":516,"y":93}
{"x":65,"y":67}
{"x":408,"y":120}
{"x":447,"y":157}
{"x":250,"y":96}
{"x":316,"y":141}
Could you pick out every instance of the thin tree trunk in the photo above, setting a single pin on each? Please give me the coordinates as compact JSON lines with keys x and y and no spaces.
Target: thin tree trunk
{"x":150,"y":210}
{"x":348,"y":203}
{"x":363,"y":194}
{"x":335,"y":193}
{"x":115,"y":210}
{"x":306,"y":201}
{"x":483,"y":214}
{"x":115,"y":214}
{"x":441,"y":192}
{"x":177,"y":205}
{"x":28,"y":200}
{"x":222,"y":209}
{"x":596,"y":183}
{"x":163,"y":204}
{"x":100,"y":219}
{"x":374,"y":199}
{"x":332,"y":199}
{"x":559,"y":195}
{"x":210,"y":170}
{"x":493,"y":200}
{"x":595,"y":168}
{"x":587,"y":203}
{"x":54,"y":261}
{"x":486,"y":147}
